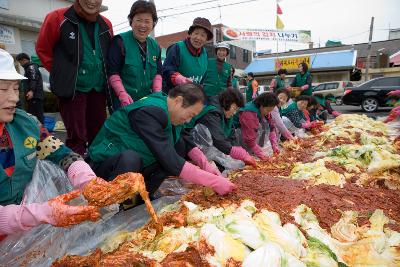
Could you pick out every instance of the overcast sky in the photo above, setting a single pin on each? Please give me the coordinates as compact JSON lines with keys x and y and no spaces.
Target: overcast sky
{"x":344,"y":20}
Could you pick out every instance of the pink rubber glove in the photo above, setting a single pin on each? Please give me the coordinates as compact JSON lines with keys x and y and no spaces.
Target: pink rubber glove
{"x":336,"y":113}
{"x":201,"y":160}
{"x":157,"y":83}
{"x":257,"y":150}
{"x":15,"y":218}
{"x":394,"y":93}
{"x":306,"y":125}
{"x":179,"y":80}
{"x":394,"y":114}
{"x":304,"y":87}
{"x":287,"y":135}
{"x":119,"y":89}
{"x":238,"y":152}
{"x":193,"y":174}
{"x":79,"y":173}
{"x":275,"y":148}
{"x":254,"y":95}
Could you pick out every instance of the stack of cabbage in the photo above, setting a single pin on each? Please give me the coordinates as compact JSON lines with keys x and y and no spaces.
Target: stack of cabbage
{"x":257,"y":238}
{"x":375,"y":154}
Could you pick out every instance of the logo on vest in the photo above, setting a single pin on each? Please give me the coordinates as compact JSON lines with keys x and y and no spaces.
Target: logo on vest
{"x":72,"y":35}
{"x":154,"y":58}
{"x":30,"y":142}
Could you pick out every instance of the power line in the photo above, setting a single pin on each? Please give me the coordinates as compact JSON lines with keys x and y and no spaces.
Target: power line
{"x":196,"y":10}
{"x":173,"y":8}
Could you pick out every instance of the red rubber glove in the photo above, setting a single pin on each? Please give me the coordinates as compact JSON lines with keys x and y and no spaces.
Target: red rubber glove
{"x":336,"y":113}
{"x":394,"y":93}
{"x":157,"y":83}
{"x":200,"y":160}
{"x":219,"y":184}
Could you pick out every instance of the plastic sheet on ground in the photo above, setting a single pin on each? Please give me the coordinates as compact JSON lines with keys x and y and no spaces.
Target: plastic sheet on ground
{"x":203,"y":140}
{"x":42,"y":245}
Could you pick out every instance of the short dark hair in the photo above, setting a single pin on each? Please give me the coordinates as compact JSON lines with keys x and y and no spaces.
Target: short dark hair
{"x":305,"y":66}
{"x":230,"y":96}
{"x":191,"y":94}
{"x":312,"y":101}
{"x":142,"y":6}
{"x":266,"y":99}
{"x":22,"y":56}
{"x":250,"y":74}
{"x":303,"y":97}
{"x":283,"y":91}
{"x":282,"y":71}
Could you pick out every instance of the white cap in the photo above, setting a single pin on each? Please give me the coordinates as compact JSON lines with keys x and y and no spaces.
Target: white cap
{"x":7,"y":68}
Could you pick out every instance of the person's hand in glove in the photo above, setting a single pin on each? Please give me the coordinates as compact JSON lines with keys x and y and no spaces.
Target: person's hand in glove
{"x":179,"y":80}
{"x":200,"y":160}
{"x":394,"y":93}
{"x":15,"y":218}
{"x":119,"y":89}
{"x":306,"y":125}
{"x":336,"y":113}
{"x":316,"y":124}
{"x":157,"y":83}
{"x":80,"y":173}
{"x":193,"y":174}
{"x":393,"y":115}
{"x":258,"y":152}
{"x":237,"y":152}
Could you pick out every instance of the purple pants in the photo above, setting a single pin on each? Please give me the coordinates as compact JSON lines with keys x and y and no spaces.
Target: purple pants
{"x":83,"y":117}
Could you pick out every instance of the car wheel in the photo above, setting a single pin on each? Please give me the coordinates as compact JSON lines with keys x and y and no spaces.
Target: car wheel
{"x":370,"y":104}
{"x":339,"y":101}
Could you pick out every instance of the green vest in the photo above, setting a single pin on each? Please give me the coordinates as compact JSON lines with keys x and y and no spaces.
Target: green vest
{"x":226,"y":124}
{"x":291,"y":107}
{"x":279,"y":83}
{"x":24,"y":133}
{"x":235,"y":83}
{"x":302,"y":80}
{"x":190,"y":66}
{"x":250,"y":106}
{"x":138,"y":81}
{"x":214,"y":81}
{"x":116,"y":135}
{"x":90,"y":72}
{"x":320,"y":100}
{"x":249,"y":91}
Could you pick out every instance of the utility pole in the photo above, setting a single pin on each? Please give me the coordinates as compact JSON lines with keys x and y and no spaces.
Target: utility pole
{"x":152,"y":32}
{"x":371,"y":29}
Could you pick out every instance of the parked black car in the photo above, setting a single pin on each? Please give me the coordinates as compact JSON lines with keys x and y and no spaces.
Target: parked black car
{"x":372,"y":94}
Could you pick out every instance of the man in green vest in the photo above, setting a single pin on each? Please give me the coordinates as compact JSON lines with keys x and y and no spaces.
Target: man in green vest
{"x":134,"y":58}
{"x":252,"y":87}
{"x":72,"y":45}
{"x":22,"y":142}
{"x":303,"y":80}
{"x":218,"y":76}
{"x":278,"y":82}
{"x":218,"y":120}
{"x":146,"y":137}
{"x":186,"y":61}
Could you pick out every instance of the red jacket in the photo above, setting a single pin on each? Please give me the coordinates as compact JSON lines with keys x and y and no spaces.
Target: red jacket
{"x":59,"y":47}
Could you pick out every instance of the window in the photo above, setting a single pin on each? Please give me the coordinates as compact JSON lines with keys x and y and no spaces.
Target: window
{"x":232,"y":52}
{"x":245,"y":56}
{"x":330,"y":86}
{"x":392,"y":81}
{"x":319,"y":87}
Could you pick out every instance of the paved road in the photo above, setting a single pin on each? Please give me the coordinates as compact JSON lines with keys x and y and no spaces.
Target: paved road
{"x":382,"y":112}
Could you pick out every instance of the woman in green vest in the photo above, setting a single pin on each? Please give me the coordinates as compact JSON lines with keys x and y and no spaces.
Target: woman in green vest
{"x":218,"y":76}
{"x":146,"y":137}
{"x":278,"y":82}
{"x":303,"y":80}
{"x":252,"y":115}
{"x":219,"y":121}
{"x":252,"y":87}
{"x":22,"y":142}
{"x":134,"y":58}
{"x":186,"y":61}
